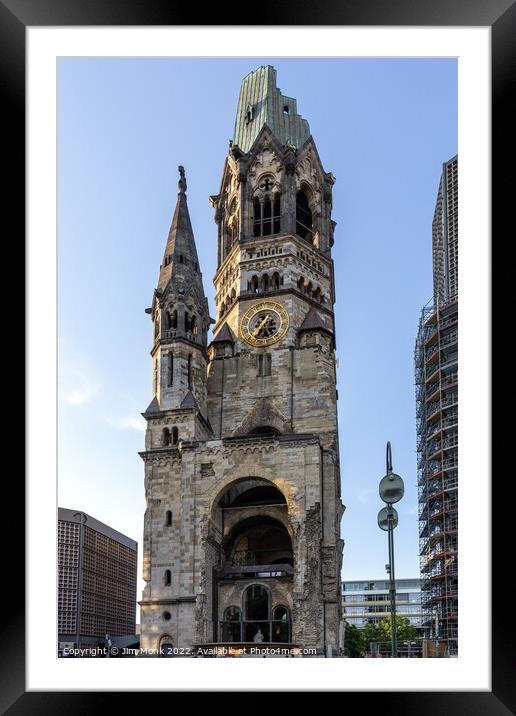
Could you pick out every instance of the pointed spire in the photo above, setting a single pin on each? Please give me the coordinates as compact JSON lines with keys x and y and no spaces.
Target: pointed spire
{"x":180,"y":261}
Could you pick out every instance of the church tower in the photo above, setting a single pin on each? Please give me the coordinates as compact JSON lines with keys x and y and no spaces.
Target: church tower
{"x":242,"y":527}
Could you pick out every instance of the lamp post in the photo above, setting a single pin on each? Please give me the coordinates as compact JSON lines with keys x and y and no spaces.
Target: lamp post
{"x":391,"y":490}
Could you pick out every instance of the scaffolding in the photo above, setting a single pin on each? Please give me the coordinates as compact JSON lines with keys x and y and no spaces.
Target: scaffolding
{"x":436,"y":376}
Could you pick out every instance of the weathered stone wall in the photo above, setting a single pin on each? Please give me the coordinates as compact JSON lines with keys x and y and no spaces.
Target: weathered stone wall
{"x":189,"y":483}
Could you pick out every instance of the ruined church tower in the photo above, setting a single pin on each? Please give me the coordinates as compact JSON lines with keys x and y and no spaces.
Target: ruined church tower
{"x":242,"y":523}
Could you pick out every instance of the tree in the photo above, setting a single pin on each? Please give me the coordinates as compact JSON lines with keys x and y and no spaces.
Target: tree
{"x":404,"y":630}
{"x":371,"y":632}
{"x":353,"y":641}
{"x":381,"y":632}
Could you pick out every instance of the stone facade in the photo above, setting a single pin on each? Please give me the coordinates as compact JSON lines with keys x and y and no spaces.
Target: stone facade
{"x":242,"y":525}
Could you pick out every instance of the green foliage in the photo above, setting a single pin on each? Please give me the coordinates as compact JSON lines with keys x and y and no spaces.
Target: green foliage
{"x":354,"y":644}
{"x":382,"y":631}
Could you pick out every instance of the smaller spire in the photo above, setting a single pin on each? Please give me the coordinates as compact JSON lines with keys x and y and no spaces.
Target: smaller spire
{"x":313,"y":322}
{"x":182,"y":180}
{"x":225,"y":335}
{"x":189,"y":401}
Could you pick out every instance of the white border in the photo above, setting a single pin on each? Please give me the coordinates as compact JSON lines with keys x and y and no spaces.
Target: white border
{"x":471,"y":671}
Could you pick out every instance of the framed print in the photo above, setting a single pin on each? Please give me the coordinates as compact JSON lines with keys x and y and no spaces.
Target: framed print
{"x":241,"y":528}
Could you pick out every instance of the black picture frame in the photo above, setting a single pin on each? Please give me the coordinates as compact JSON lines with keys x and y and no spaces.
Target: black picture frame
{"x":500,"y":15}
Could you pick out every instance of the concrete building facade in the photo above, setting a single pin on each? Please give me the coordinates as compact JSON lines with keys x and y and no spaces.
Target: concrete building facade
{"x":96,"y":581}
{"x":368,"y":602}
{"x":242,"y":484}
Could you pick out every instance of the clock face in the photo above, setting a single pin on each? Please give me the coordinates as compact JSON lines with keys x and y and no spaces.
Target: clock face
{"x":264,"y":324}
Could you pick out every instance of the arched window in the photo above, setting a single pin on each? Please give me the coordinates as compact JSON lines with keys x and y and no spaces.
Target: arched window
{"x":264,"y":282}
{"x":168,"y":321}
{"x":256,"y":603}
{"x":256,"y":610}
{"x":309,"y":289}
{"x":156,"y":326}
{"x":168,"y":518}
{"x":166,"y":436}
{"x":280,"y":624}
{"x":254,"y":284}
{"x":174,"y":320}
{"x":267,"y":216}
{"x":304,"y":221}
{"x":232,"y":624}
{"x":275,"y":280}
{"x":317,"y":294}
{"x":276,"y":216}
{"x":175,"y":436}
{"x":301,"y":284}
{"x":167,"y":580}
{"x":187,"y":322}
{"x":257,"y":229}
{"x":193,"y":325}
{"x":189,"y":370}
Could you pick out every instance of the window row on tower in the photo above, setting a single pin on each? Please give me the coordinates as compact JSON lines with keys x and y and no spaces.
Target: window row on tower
{"x":169,"y":357}
{"x":171,"y":322}
{"x":267,"y":216}
{"x":266,"y":282}
{"x":182,"y":259}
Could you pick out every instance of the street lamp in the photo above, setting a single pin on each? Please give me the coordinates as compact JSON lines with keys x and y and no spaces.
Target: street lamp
{"x":391,"y":490}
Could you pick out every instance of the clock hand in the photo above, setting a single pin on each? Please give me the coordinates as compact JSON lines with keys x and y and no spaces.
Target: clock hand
{"x":260,"y":326}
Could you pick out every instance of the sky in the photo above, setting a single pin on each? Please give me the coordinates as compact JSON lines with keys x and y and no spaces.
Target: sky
{"x":383,"y":127}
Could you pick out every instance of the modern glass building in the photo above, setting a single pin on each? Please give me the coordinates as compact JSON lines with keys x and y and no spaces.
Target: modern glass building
{"x":369,"y":601}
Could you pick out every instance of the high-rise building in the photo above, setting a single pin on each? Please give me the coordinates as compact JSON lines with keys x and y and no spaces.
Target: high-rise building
{"x":97,"y":581}
{"x":445,"y":235}
{"x":242,"y":526}
{"x":368,"y":602}
{"x":436,"y":370}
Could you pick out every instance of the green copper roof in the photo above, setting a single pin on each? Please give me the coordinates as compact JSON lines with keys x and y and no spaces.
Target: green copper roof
{"x":260,"y":103}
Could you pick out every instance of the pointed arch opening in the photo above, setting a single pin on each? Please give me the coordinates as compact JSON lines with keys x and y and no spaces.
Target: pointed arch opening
{"x":264,"y":282}
{"x":304,"y":218}
{"x":267,"y":215}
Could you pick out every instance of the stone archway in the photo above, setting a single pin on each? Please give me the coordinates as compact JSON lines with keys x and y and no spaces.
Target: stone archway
{"x":262,"y":414}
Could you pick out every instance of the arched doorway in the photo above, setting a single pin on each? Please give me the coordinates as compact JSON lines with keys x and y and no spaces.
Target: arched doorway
{"x":166,"y":647}
{"x":253,"y":581}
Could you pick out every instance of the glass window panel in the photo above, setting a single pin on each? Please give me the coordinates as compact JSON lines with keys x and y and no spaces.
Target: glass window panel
{"x":257,"y":631}
{"x":280,"y":614}
{"x":256,"y":603}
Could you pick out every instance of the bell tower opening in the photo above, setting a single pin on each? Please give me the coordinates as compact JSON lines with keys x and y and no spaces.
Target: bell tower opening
{"x":304,"y":220}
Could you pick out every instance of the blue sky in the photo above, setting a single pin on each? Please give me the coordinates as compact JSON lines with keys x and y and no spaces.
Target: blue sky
{"x":382,"y":126}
